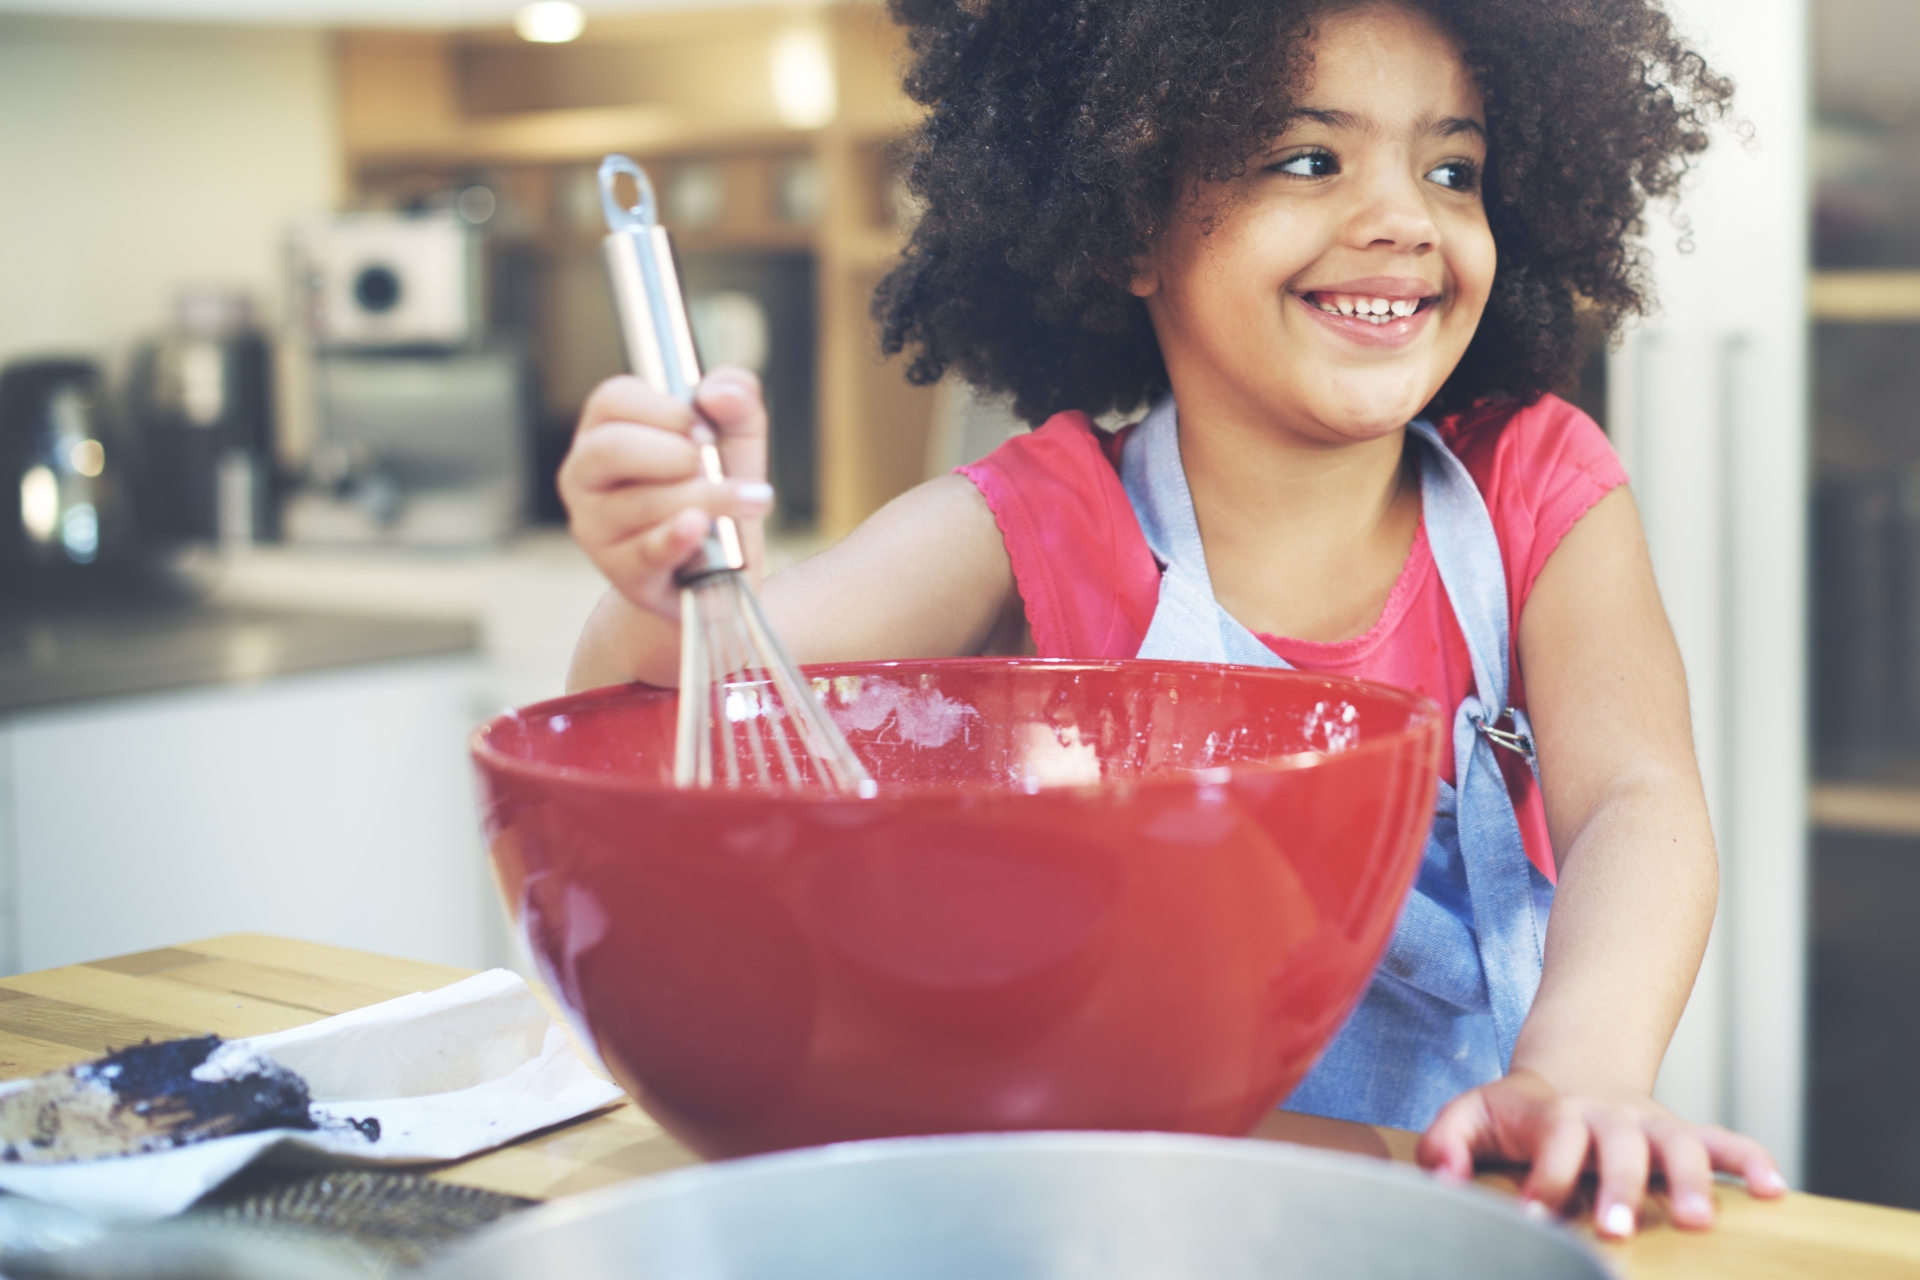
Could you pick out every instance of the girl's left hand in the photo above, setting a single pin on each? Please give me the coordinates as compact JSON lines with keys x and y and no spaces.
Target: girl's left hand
{"x":1523,"y":1119}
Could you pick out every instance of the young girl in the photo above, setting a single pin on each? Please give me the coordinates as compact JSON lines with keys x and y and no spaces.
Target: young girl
{"x":1341,"y":250}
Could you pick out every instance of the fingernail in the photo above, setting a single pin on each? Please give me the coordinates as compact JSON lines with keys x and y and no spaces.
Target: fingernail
{"x":1771,"y":1182}
{"x":754,"y":492}
{"x":1535,"y":1210}
{"x":1616,"y":1221}
{"x":1694,"y":1207}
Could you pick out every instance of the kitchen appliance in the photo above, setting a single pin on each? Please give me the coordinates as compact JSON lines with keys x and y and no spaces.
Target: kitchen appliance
{"x":745,"y":715}
{"x":1044,"y":1206}
{"x":379,"y":281}
{"x":61,"y":512}
{"x":1087,"y":895}
{"x":200,"y":398}
{"x":423,"y":429}
{"x":417,"y":449}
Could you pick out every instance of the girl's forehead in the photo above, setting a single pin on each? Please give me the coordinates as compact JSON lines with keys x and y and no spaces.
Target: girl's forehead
{"x":1376,"y":54}
{"x":1362,"y":16}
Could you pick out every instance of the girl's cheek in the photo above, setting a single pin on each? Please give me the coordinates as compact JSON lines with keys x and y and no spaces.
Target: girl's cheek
{"x":1473,"y":261}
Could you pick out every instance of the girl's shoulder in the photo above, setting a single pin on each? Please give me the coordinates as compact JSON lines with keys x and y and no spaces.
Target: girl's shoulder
{"x":1086,"y":577}
{"x":1066,"y":461}
{"x":1065,"y":444}
{"x":1543,"y":442}
{"x":1540,"y":467}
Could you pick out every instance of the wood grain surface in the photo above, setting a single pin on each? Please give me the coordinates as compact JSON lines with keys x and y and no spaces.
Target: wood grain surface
{"x":245,"y":984}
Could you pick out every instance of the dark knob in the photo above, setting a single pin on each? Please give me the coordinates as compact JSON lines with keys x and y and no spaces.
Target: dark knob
{"x":377,"y":288}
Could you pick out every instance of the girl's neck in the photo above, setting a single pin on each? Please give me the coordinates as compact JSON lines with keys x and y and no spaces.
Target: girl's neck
{"x":1303,"y":538}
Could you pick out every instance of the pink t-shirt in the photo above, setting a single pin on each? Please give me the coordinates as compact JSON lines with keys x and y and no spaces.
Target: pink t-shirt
{"x":1090,"y":584}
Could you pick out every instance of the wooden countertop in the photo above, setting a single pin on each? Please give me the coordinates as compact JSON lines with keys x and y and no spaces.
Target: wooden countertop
{"x":245,"y":984}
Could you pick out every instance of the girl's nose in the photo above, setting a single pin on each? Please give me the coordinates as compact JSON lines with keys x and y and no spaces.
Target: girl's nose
{"x":1392,"y":213}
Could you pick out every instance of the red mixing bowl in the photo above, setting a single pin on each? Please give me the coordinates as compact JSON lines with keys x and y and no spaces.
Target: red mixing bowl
{"x":1108,"y":895}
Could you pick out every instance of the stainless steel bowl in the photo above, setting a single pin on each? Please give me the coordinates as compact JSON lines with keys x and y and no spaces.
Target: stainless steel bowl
{"x":1034,"y":1206}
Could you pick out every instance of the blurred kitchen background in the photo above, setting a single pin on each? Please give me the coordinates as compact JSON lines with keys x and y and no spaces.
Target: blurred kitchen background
{"x":299,"y":300}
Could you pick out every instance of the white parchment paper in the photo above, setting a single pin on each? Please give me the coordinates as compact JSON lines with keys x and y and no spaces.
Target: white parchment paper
{"x":446,"y":1073}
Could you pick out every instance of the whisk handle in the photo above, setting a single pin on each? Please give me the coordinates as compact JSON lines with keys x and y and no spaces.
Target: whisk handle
{"x":657,"y":335}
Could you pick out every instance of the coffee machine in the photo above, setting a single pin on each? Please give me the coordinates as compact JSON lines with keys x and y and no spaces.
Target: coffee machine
{"x":423,"y":423}
{"x":200,"y":404}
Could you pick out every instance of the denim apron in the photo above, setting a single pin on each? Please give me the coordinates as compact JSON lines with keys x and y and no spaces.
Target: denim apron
{"x":1458,"y":978}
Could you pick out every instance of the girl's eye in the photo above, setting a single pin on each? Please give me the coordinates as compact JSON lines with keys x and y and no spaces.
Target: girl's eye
{"x":1456,"y":175}
{"x":1308,"y":164}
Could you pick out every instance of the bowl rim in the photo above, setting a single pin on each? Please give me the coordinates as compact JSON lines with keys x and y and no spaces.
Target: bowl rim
{"x":1423,"y":710}
{"x":679,"y":1188}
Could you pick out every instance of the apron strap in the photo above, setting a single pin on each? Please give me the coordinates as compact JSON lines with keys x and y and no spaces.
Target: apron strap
{"x":1460,"y":531}
{"x":1466,"y":551}
{"x":1188,"y":624}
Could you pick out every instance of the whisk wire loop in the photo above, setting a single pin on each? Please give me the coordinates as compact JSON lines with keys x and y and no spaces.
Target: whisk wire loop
{"x":747,"y":698}
{"x":692,"y":755}
{"x":727,"y":663}
{"x":821,"y":737}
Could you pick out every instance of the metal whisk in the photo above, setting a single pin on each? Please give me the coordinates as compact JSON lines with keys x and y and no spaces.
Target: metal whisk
{"x":742,"y":700}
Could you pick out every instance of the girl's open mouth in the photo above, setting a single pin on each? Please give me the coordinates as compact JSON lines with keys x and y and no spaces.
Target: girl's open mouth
{"x":1373,"y":310}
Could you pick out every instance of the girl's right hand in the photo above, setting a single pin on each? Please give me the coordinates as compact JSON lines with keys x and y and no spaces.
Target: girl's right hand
{"x":636,"y":500}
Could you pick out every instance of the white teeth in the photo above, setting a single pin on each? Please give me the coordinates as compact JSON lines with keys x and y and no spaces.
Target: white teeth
{"x":1372,"y":310}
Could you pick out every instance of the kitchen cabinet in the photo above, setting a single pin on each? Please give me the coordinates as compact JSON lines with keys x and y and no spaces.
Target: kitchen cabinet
{"x":219,"y":768}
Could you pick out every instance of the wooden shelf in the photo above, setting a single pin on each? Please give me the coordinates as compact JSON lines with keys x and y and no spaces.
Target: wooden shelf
{"x":1864,"y":297}
{"x":1870,"y":810}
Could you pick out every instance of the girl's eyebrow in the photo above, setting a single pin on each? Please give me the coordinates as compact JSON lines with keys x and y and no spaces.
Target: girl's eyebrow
{"x":1452,"y":126}
{"x":1333,"y":118}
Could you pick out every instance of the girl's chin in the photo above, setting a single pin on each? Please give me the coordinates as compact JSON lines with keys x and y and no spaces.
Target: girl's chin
{"x":1379,"y":386}
{"x":1368,"y":412}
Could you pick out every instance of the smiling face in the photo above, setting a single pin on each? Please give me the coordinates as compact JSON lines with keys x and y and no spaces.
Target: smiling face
{"x":1330,"y":291}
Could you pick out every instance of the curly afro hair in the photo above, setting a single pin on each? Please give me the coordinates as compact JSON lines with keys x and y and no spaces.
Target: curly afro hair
{"x":1060,"y":132}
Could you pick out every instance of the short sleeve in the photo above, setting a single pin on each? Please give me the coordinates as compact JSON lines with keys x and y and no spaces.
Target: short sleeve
{"x":1085,"y":576}
{"x":1540,"y":469}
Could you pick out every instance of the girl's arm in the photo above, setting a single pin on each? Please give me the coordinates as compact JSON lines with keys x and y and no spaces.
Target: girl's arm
{"x":927,"y":576}
{"x":1638,"y":881}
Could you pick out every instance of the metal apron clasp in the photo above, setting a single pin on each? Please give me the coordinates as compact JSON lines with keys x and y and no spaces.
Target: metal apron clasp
{"x":1516,"y":739}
